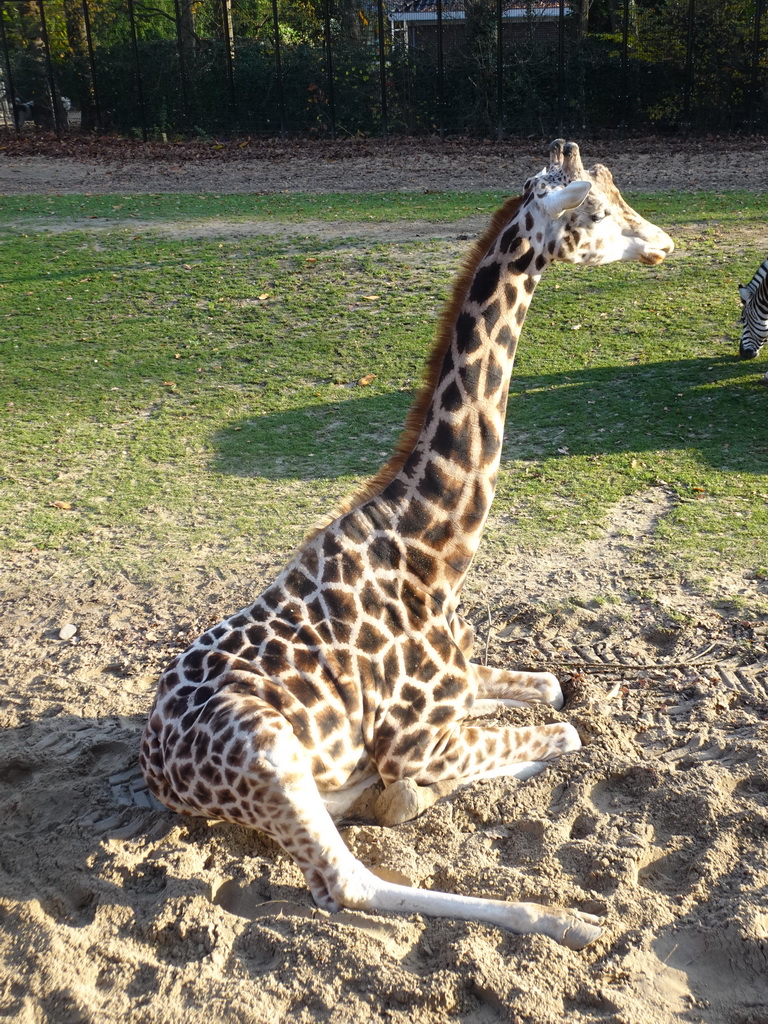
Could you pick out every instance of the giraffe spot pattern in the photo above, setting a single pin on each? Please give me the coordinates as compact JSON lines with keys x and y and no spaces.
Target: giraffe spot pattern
{"x":522,"y":262}
{"x":505,"y":338}
{"x":468,"y":339}
{"x":452,"y":398}
{"x":470,"y":375}
{"x":510,"y":239}
{"x":491,"y":316}
{"x":485,"y":282}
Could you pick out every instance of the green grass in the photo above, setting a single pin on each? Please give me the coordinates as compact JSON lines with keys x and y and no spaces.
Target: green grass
{"x":294,"y":208}
{"x":434,"y":207}
{"x":182,"y":393}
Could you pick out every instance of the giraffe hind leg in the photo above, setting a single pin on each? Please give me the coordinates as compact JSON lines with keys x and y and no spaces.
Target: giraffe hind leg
{"x":261,"y":779}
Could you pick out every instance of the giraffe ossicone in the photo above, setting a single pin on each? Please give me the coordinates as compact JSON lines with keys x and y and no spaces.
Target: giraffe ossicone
{"x":354,"y":667}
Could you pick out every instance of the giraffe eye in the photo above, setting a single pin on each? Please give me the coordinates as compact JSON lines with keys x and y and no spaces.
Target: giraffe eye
{"x":601,"y":215}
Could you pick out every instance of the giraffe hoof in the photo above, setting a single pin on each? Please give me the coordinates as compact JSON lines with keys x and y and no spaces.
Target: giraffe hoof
{"x":398,"y":803}
{"x":581,"y":930}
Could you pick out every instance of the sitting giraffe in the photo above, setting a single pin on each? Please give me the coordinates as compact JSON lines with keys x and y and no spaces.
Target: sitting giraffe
{"x":354,"y":667}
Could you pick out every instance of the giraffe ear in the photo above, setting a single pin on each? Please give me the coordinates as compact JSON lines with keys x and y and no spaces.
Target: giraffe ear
{"x":568,"y":198}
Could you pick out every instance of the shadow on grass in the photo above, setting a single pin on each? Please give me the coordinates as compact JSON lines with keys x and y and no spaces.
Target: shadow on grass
{"x":714,"y":407}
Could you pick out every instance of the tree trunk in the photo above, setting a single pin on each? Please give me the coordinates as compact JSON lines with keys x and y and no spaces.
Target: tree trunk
{"x":613,"y":14}
{"x":187,"y":27}
{"x":351,"y":23}
{"x":584,"y":6}
{"x":32,"y":26}
{"x":78,"y":44}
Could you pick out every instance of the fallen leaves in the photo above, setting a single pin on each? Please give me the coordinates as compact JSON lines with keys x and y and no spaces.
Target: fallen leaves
{"x":65,"y":506}
{"x":369,"y":378}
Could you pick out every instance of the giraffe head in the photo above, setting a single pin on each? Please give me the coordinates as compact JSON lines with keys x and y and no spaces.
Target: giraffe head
{"x":588,"y":220}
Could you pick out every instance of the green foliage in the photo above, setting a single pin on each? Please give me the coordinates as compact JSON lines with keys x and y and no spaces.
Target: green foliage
{"x":185,"y":69}
{"x":721,"y":38}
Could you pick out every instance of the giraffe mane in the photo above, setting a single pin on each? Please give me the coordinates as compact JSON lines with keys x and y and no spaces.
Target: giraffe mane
{"x":417,"y":413}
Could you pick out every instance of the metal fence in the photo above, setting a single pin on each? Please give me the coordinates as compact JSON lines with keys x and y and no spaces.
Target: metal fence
{"x":478,"y":67}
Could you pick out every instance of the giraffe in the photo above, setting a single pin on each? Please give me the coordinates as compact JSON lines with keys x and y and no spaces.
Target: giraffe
{"x":354,"y":666}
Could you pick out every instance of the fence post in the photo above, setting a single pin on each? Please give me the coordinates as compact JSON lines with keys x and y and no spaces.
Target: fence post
{"x":49,"y":69}
{"x":229,"y":49}
{"x":279,"y":69}
{"x":440,"y":69}
{"x":137,"y":63}
{"x":382,"y":71}
{"x":688,"y":67}
{"x":92,"y":62}
{"x":329,"y":69}
{"x":625,"y":69}
{"x":499,"y":72}
{"x":182,"y":59}
{"x":9,"y":76}
{"x":561,"y":68}
{"x":755,"y":66}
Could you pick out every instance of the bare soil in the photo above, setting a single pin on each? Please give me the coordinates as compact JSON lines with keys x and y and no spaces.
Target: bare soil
{"x":112,"y":910}
{"x":79,"y":164}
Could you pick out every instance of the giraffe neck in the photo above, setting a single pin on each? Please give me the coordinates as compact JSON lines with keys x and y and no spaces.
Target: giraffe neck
{"x":443,"y":491}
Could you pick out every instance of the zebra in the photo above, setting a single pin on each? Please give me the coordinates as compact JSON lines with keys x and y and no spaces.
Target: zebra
{"x":754,"y":313}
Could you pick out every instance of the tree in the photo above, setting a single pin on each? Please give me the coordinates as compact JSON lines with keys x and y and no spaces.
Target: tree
{"x":74,"y":20}
{"x":32,"y":26}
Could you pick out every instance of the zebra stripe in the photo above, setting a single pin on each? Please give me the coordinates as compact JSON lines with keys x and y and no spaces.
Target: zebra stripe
{"x":754,"y":313}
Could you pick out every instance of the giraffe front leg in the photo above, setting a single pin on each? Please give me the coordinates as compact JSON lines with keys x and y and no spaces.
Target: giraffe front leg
{"x":267,"y":784}
{"x":437,"y":764}
{"x":497,"y":686}
{"x":337,"y":879}
{"x":404,"y":799}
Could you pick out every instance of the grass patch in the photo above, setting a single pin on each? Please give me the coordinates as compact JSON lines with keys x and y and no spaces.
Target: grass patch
{"x":674,"y":208}
{"x":179,"y":393}
{"x":293,"y":208}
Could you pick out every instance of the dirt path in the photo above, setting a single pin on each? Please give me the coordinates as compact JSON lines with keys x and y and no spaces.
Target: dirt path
{"x":640,"y":165}
{"x":112,"y":910}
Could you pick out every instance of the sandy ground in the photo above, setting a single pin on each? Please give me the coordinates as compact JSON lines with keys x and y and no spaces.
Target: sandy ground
{"x":112,"y":910}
